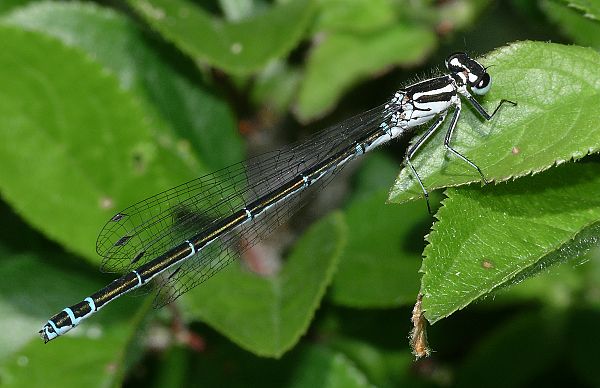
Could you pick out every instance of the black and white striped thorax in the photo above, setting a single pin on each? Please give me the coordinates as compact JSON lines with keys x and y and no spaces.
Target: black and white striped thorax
{"x":183,"y":232}
{"x":422,"y":101}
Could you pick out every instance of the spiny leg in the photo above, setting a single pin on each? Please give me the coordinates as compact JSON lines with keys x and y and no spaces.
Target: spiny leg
{"x":475,"y":104}
{"x":415,"y":147}
{"x":453,"y":122}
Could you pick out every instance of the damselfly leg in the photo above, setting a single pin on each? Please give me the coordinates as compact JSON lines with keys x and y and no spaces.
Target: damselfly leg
{"x":455,"y":116}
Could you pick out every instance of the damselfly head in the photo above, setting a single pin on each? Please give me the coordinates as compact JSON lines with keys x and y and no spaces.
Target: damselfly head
{"x":470,"y":72}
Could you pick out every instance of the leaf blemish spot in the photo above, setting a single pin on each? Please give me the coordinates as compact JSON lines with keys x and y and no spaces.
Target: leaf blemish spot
{"x":516,"y":150}
{"x":141,"y":156}
{"x":487,"y":264}
{"x":106,"y":203}
{"x":138,"y":162}
{"x":236,"y":48}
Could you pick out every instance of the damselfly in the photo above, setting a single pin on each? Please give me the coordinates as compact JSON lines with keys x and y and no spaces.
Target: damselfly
{"x":192,"y":231}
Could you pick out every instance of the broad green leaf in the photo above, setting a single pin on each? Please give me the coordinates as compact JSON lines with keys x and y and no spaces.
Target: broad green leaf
{"x":237,"y":9}
{"x":557,"y":89}
{"x":321,"y":367}
{"x":239,"y":47}
{"x":589,"y":8}
{"x":74,"y":147}
{"x":114,"y":41}
{"x":358,"y":39}
{"x":355,"y":15}
{"x":275,"y":86}
{"x":172,"y":370}
{"x":492,"y":237}
{"x":340,"y":60}
{"x":30,"y":292}
{"x":450,"y":16}
{"x":379,"y":266}
{"x":370,"y":15}
{"x":558,"y":287}
{"x":383,"y":367}
{"x":583,"y":31}
{"x":267,"y":315}
{"x":7,"y":5}
{"x":376,"y":173}
{"x":380,"y":262}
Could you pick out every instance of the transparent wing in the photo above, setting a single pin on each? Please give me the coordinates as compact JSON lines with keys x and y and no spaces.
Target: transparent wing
{"x":151,"y":227}
{"x":228,"y":247}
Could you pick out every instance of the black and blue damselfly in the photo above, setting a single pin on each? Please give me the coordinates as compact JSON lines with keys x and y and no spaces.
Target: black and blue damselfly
{"x":190,"y":232}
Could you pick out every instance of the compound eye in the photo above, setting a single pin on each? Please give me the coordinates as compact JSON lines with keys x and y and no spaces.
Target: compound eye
{"x":483,"y":85}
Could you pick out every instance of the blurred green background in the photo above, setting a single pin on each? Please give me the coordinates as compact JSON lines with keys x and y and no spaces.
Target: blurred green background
{"x":105,"y":103}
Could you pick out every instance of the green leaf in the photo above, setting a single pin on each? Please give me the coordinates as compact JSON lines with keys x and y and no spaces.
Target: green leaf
{"x":355,"y":15}
{"x":383,"y":367}
{"x":496,"y":236}
{"x":452,"y":16}
{"x":558,"y":287}
{"x":172,"y":370}
{"x":340,"y":60}
{"x":589,"y":8}
{"x":268,"y":315}
{"x":30,"y":292}
{"x":115,"y":42}
{"x":321,"y":367}
{"x":379,"y":266}
{"x":7,"y":5}
{"x":557,"y":89}
{"x":73,"y":144}
{"x":581,"y":30}
{"x":237,"y":9}
{"x":239,"y":47}
{"x":376,"y":173}
{"x":275,"y":86}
